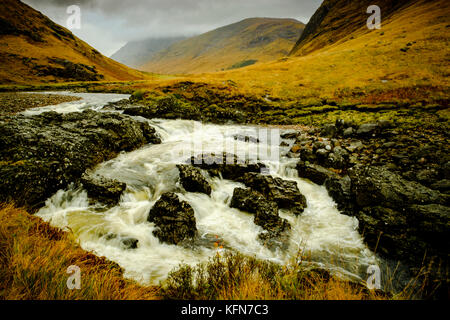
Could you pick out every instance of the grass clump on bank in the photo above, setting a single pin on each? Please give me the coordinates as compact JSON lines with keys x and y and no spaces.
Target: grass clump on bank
{"x":234,"y":276}
{"x":34,"y":258}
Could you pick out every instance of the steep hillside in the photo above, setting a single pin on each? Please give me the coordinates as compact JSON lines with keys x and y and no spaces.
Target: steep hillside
{"x":35,"y":49}
{"x":136,"y":53}
{"x":233,"y":46}
{"x":337,"y":19}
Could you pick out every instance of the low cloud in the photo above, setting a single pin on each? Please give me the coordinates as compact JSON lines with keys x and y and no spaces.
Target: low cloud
{"x":108,"y":24}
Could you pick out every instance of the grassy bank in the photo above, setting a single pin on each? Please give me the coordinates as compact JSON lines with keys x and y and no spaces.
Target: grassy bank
{"x":35,"y":257}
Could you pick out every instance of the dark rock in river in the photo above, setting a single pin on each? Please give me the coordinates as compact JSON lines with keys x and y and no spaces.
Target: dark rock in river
{"x":101,"y":189}
{"x":130,"y":243}
{"x":228,"y":165}
{"x":174,"y":219}
{"x":266,"y":214}
{"x":44,"y":153}
{"x":341,"y":192}
{"x":283,"y":192}
{"x":314,"y":172}
{"x":192,"y":180}
{"x":246,"y":138}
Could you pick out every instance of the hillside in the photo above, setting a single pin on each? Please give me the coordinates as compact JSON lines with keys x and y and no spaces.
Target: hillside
{"x":402,"y":61}
{"x":336,"y":19}
{"x":35,"y":49}
{"x":233,"y":46}
{"x":136,"y":53}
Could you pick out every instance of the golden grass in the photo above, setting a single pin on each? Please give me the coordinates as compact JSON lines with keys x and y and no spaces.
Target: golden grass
{"x":34,"y":258}
{"x":233,"y":276}
{"x":364,"y":66}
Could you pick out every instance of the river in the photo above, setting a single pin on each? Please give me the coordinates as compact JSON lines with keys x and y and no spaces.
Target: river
{"x":327,"y":238}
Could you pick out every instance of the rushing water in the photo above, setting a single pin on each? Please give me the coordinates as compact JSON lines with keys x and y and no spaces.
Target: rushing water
{"x":328,"y":238}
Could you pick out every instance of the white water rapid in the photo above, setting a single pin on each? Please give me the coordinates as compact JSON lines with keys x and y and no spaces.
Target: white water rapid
{"x":328,"y":238}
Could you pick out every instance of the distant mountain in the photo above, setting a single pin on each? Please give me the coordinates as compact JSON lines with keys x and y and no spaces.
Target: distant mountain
{"x":237,"y":45}
{"x":35,"y":49}
{"x":136,"y":53}
{"x":337,"y":19}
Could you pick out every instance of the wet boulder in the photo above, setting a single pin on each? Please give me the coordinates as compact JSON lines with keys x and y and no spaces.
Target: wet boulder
{"x":101,"y":189}
{"x":265,"y":211}
{"x":338,"y":158}
{"x":174,"y":219}
{"x":374,"y":185}
{"x":230,"y":166}
{"x":192,"y":179}
{"x":246,"y":138}
{"x":283,"y":192}
{"x":341,"y":192}
{"x":314,"y":172}
{"x":130,"y":243}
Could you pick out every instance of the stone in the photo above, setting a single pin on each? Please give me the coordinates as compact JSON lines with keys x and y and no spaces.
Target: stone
{"x":341,"y":192}
{"x":102,"y":189}
{"x":192,"y":179}
{"x":226,"y":164}
{"x":348,"y":132}
{"x":130,"y":243}
{"x":367,"y":129}
{"x":373,"y":186}
{"x":283,"y":192}
{"x":314,"y":172}
{"x":328,"y":130}
{"x":174,"y":219}
{"x":246,"y":138}
{"x":266,"y":212}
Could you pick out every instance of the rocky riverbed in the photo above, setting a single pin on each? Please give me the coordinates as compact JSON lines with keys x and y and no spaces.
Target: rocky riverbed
{"x":392,"y":179}
{"x":44,"y":153}
{"x":395,"y":181}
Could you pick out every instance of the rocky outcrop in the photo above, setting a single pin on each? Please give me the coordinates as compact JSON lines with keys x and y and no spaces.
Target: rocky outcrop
{"x":394,"y":180}
{"x":314,"y":172}
{"x":266,"y":215}
{"x":101,"y":189}
{"x":192,"y":179}
{"x":225,"y":164}
{"x":44,"y":153}
{"x":284,"y":193}
{"x":174,"y":219}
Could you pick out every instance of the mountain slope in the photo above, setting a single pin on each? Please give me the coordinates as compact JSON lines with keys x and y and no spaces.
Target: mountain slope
{"x":233,"y":46}
{"x":337,"y":19}
{"x":407,"y":61}
{"x":35,"y":49}
{"x":137,"y":53}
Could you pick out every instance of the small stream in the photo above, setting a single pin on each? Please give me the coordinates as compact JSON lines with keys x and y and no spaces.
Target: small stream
{"x":328,"y":238}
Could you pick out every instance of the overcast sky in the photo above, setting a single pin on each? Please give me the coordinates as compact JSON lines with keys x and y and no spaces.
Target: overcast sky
{"x":107,"y":25}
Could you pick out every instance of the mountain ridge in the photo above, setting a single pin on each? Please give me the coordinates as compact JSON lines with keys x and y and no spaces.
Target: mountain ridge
{"x":33,"y":48}
{"x":252,"y":39}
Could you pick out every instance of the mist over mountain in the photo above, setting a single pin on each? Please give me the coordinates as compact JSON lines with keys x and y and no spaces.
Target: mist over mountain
{"x":239,"y":44}
{"x":136,"y":53}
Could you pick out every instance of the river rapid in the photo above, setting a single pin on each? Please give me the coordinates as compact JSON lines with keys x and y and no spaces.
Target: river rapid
{"x":321,"y":235}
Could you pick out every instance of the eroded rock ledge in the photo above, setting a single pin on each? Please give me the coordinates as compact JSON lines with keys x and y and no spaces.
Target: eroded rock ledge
{"x":44,"y":153}
{"x":393,"y":180}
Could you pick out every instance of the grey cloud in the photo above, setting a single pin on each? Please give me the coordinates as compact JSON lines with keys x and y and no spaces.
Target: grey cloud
{"x":122,"y":21}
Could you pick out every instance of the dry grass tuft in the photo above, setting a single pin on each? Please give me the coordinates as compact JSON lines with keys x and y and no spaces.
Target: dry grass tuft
{"x":34,"y":258}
